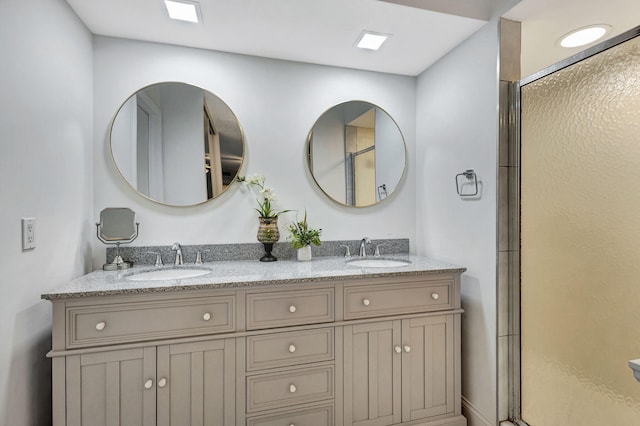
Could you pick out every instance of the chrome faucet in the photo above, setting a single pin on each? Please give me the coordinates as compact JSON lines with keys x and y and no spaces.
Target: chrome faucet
{"x":363,"y":247}
{"x":178,"y":248}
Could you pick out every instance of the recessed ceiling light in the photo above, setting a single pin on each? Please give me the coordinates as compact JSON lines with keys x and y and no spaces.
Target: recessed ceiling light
{"x":585,"y":35}
{"x":182,"y":10}
{"x":370,"y":40}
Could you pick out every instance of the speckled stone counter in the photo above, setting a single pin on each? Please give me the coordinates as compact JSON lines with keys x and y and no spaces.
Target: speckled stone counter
{"x":245,"y":273}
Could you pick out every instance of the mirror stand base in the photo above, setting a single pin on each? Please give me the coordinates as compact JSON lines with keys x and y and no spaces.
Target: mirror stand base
{"x":117,"y":264}
{"x":268,"y":257}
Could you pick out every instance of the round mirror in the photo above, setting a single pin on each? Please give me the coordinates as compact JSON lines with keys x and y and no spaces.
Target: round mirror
{"x":356,"y":154}
{"x":177,"y":144}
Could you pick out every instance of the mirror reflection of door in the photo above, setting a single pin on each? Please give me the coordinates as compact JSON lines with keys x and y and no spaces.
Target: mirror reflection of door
{"x":212,"y":157}
{"x":142,"y":154}
{"x":360,"y":145}
{"x":177,"y":144}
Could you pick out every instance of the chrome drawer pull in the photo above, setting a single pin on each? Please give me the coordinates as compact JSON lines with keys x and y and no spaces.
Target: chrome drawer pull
{"x":435,"y":296}
{"x":398,"y":349}
{"x":292,"y":388}
{"x":292,"y":348}
{"x":206,"y":316}
{"x":366,"y":302}
{"x":101,"y":325}
{"x":407,"y":348}
{"x":292,"y":308}
{"x":148,"y":384}
{"x":162,"y":383}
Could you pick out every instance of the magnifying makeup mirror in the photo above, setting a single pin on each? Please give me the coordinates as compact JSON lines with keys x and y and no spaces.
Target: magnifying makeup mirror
{"x":117,"y":226}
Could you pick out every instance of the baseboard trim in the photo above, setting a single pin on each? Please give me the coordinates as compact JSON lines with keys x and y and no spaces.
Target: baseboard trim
{"x":473,"y":415}
{"x":450,"y":421}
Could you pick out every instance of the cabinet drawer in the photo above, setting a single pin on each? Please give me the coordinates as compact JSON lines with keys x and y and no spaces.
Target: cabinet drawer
{"x":315,"y":416}
{"x":292,"y":348}
{"x":288,"y":308}
{"x":401,"y":298}
{"x":287,"y":388}
{"x":116,"y":323}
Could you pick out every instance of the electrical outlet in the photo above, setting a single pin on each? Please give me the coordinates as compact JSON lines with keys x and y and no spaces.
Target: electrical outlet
{"x":28,"y":233}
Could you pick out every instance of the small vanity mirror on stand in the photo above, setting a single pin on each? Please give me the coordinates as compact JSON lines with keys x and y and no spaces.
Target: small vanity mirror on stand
{"x":117,"y":225}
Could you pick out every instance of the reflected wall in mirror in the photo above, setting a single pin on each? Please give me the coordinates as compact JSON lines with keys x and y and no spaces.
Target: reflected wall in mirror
{"x":177,"y":144}
{"x":356,"y":154}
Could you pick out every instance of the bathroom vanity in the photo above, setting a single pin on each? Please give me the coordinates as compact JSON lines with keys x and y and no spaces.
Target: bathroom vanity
{"x":287,"y":343}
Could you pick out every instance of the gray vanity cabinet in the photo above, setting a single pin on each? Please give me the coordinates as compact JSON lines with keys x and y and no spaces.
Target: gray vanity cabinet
{"x":428,"y":367}
{"x":372,"y":374}
{"x":398,"y":371}
{"x":196,"y":384}
{"x":164,"y":385}
{"x":109,"y":388}
{"x":356,"y":351}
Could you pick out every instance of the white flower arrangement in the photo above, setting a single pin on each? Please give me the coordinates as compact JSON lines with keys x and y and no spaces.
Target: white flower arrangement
{"x":266,"y":195}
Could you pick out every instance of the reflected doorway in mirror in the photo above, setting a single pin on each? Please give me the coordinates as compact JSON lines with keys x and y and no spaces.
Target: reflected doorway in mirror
{"x":356,"y":154}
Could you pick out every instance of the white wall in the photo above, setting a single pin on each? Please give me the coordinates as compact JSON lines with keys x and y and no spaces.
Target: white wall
{"x":45,"y":172}
{"x":457,"y":116}
{"x":277,"y":103}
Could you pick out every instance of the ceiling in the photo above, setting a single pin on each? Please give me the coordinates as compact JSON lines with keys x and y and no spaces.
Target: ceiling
{"x":325,"y":31}
{"x":314,"y":31}
{"x":544,"y":22}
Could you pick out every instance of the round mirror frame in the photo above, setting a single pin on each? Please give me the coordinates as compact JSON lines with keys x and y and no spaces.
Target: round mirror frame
{"x":309,"y":156}
{"x":115,"y":164}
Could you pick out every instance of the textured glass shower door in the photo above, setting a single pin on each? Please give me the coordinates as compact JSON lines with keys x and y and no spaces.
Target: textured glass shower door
{"x":580,"y":242}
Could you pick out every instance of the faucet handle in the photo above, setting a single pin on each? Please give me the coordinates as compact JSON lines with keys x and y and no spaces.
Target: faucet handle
{"x":347,"y":253}
{"x":158,"y":257}
{"x":377,"y":252}
{"x":199,"y":256}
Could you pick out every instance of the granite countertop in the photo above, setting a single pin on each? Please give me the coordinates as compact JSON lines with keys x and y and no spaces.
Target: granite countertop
{"x":245,"y":273}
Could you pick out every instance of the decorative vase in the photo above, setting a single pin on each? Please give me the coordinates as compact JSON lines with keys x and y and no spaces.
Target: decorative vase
{"x":268,"y":234}
{"x":304,"y":254}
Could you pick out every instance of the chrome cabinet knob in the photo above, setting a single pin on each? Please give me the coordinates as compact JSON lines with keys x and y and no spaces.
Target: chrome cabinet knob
{"x":101,"y":325}
{"x":206,"y":316}
{"x":292,"y":348}
{"x":292,"y":388}
{"x":435,"y":296}
{"x":407,"y":348}
{"x":162,"y":383}
{"x":366,"y":302}
{"x":148,"y":384}
{"x":292,"y":308}
{"x":398,"y":349}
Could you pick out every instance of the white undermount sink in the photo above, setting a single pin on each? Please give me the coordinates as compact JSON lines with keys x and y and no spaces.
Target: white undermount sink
{"x":378,"y":263}
{"x":168,"y":274}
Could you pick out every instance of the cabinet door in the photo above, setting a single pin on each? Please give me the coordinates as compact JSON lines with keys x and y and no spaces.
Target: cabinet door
{"x":112,"y":388}
{"x":372,"y":373}
{"x":427,"y":367}
{"x":196,"y":384}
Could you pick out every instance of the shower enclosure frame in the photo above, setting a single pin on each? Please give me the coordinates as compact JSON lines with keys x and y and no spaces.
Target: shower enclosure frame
{"x":508,"y":229}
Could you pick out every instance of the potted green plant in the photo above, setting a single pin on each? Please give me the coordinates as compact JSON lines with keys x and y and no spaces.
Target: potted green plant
{"x":302,"y":236}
